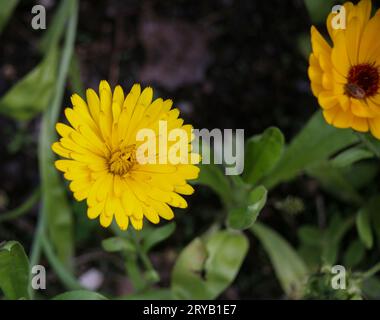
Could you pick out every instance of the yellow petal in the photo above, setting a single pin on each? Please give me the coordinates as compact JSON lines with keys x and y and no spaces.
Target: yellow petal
{"x":136,"y":223}
{"x":360,"y":124}
{"x":105,"y":220}
{"x":374,"y":125}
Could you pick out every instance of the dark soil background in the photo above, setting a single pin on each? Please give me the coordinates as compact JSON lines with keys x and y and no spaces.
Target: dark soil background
{"x":226,"y":64}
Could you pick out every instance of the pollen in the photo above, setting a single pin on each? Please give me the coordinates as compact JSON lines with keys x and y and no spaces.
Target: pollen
{"x":122,"y":160}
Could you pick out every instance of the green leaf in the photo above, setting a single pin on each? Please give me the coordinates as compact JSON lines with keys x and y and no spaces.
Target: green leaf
{"x":333,"y":180}
{"x":80,"y":295}
{"x":371,"y":143}
{"x":310,"y":235}
{"x":152,"y":294}
{"x":206,"y":267}
{"x":211,"y":175}
{"x":7,"y":8}
{"x":361,"y":174}
{"x":333,"y":237}
{"x":14,"y":271}
{"x":158,"y":235}
{"x":262,"y":153}
{"x":243,"y":218}
{"x":290,"y":269}
{"x":315,"y":143}
{"x":371,"y":288}
{"x":375,"y":216}
{"x":116,"y":244}
{"x":350,"y":156}
{"x":33,"y":93}
{"x":354,"y":254}
{"x":363,"y":226}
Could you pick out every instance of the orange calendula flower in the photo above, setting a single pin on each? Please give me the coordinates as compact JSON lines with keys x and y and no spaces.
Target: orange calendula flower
{"x":345,"y":77}
{"x":111,"y":164}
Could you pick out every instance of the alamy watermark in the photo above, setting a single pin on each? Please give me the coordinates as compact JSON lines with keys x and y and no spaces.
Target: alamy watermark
{"x":38,"y":278}
{"x":171,"y":146}
{"x":338,"y":21}
{"x":39,"y":17}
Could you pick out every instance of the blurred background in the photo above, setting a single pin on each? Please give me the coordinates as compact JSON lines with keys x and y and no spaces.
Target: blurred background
{"x":225,"y":63}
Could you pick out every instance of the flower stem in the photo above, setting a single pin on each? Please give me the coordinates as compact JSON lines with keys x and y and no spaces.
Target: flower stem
{"x":23,"y":209}
{"x":50,"y":117}
{"x":368,"y":144}
{"x":371,"y":272}
{"x":150,"y":271}
{"x":64,"y":275}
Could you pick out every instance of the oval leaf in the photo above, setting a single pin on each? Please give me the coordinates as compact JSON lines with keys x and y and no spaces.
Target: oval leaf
{"x":262,"y":153}
{"x":243,"y":218}
{"x":157,"y":235}
{"x":32,"y":93}
{"x":14,"y":271}
{"x":315,"y":143}
{"x":364,"y":227}
{"x":206,"y":267}
{"x":116,"y":244}
{"x":290,"y":269}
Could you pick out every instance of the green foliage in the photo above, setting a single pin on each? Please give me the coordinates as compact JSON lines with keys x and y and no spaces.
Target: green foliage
{"x":363,"y":226}
{"x":354,"y":254}
{"x":33,"y":93}
{"x":339,"y":160}
{"x":290,"y":269}
{"x":55,"y":207}
{"x":313,"y":145}
{"x":116,"y":244}
{"x":243,"y":217}
{"x":14,"y":271}
{"x":57,"y":27}
{"x":319,"y":287}
{"x":320,"y":247}
{"x":152,"y":294}
{"x":333,"y":179}
{"x":350,"y":156}
{"x":262,"y":153}
{"x":212,"y":176}
{"x":157,"y":235}
{"x":80,"y":295}
{"x":207,"y":266}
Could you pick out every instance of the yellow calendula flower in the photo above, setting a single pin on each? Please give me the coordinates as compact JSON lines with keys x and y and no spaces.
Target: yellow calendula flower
{"x":111,"y":163}
{"x":345,"y":77}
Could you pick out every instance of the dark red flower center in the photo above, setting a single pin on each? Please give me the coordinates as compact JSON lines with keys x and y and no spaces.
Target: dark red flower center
{"x":363,"y":81}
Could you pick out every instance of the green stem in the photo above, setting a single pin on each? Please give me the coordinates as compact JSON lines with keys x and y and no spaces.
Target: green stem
{"x":134,"y":272}
{"x":371,"y":272}
{"x":23,"y":209}
{"x":145,"y":259}
{"x":49,"y":118}
{"x":368,"y":144}
{"x":131,"y":263}
{"x":35,"y":254}
{"x":76,"y":83}
{"x":65,"y":62}
{"x":64,"y":275}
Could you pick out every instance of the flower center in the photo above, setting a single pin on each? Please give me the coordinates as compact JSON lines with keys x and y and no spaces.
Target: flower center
{"x":363,"y":81}
{"x":122,"y":160}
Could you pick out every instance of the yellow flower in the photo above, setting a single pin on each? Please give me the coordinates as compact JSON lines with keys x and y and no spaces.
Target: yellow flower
{"x":345,"y":77}
{"x":102,"y":150}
